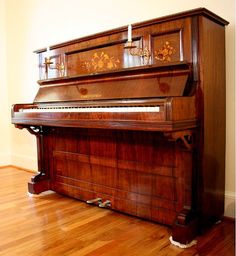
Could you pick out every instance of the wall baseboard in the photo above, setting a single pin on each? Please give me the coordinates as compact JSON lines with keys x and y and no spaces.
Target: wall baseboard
{"x":5,"y":159}
{"x":229,"y":204}
{"x":24,"y":162}
{"x":17,"y":167}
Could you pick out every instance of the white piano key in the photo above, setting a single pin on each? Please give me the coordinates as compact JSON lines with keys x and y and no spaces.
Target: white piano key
{"x":130,"y":109}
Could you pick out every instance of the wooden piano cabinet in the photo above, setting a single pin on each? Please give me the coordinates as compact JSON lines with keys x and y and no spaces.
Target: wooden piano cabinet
{"x":142,"y":134}
{"x":143,"y":174}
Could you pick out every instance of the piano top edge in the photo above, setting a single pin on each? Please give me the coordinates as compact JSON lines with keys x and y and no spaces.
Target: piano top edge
{"x":184,"y":14}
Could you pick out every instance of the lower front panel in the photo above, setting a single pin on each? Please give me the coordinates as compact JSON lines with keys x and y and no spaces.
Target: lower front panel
{"x":140,"y":173}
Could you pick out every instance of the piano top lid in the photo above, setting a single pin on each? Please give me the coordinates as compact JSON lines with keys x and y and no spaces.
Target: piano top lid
{"x":198,"y":11}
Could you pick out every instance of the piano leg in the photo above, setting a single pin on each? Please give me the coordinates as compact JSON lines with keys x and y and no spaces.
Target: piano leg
{"x":185,"y":228}
{"x":39,"y":182}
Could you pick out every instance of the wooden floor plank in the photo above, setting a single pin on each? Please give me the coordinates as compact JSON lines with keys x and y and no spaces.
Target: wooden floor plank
{"x":52,"y":224}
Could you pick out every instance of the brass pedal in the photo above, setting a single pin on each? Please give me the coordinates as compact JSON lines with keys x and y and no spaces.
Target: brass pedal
{"x":95,"y":200}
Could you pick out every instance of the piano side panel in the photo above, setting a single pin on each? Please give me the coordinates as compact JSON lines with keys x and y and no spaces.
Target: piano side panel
{"x":140,"y":173}
{"x":211,"y":98}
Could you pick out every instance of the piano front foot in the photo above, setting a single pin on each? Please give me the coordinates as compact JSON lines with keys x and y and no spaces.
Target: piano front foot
{"x":38,"y":184}
{"x":185,"y":228}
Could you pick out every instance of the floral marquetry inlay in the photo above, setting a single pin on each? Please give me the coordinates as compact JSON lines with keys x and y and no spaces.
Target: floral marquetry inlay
{"x":165,"y":53}
{"x":101,"y":62}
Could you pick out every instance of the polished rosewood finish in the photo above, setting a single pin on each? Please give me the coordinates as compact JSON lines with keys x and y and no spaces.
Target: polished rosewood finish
{"x":140,"y":135}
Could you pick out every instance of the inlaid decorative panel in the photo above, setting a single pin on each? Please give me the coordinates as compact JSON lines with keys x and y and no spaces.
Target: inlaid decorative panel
{"x":101,"y":59}
{"x":167,"y":47}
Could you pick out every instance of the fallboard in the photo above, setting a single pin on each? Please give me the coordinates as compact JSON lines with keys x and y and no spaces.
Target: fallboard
{"x":133,"y":83}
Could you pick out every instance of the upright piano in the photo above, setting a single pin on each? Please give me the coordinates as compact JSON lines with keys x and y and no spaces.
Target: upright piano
{"x":138,"y":125}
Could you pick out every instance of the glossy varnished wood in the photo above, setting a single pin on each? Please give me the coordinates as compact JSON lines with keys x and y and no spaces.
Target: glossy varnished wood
{"x":139,"y":173}
{"x":212,"y":98}
{"x":166,"y":166}
{"x":52,"y":224}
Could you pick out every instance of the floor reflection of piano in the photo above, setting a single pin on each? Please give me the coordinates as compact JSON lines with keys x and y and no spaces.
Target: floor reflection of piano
{"x":135,"y":130}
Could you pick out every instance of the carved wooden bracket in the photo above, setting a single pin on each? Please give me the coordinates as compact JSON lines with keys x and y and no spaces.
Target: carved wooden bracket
{"x":39,"y":182}
{"x":35,"y":130}
{"x":184,"y":139}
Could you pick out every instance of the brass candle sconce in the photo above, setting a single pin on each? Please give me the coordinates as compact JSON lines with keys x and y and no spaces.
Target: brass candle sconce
{"x":136,"y":51}
{"x":48,"y":63}
{"x":145,"y":54}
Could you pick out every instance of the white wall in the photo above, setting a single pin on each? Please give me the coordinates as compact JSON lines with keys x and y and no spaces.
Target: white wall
{"x":33,"y":24}
{"x":4,"y":106}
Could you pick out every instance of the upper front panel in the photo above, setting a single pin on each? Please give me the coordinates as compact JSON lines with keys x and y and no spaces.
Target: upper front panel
{"x":152,"y":44}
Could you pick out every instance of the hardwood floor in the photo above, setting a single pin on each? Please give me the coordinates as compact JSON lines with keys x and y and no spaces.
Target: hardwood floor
{"x":52,"y":224}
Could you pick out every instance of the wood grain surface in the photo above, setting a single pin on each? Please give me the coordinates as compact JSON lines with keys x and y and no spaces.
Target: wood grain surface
{"x":52,"y":224}
{"x":166,"y":166}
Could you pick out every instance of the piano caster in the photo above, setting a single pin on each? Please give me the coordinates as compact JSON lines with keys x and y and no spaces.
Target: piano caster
{"x":105,"y":204}
{"x":94,"y":201}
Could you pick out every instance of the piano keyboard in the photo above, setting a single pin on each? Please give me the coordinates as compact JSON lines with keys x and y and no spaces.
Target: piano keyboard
{"x":130,"y":109}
